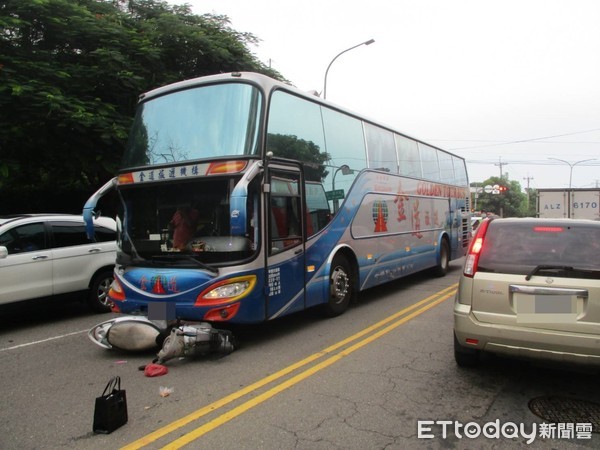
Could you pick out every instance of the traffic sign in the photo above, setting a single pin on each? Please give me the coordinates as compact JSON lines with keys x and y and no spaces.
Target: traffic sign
{"x":336,"y":194}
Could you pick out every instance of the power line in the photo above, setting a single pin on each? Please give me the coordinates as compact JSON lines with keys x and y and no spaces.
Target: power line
{"x":520,"y":141}
{"x":532,"y":163}
{"x":505,"y":142}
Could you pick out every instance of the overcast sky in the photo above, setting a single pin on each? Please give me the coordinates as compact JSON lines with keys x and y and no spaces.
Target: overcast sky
{"x":505,"y":84}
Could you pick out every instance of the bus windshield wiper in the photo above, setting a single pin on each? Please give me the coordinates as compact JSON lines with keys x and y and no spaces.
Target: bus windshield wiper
{"x":183,"y":257}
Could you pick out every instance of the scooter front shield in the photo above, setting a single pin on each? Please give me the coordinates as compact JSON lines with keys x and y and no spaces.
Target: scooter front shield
{"x":131,"y":333}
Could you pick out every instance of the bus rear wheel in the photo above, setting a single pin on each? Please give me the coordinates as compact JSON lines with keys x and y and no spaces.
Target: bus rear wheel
{"x":442,"y":268}
{"x":341,"y":287}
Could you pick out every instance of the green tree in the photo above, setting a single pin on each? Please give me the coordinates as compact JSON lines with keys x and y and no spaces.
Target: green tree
{"x":511,"y":202}
{"x":291,"y":147}
{"x":70,"y":75}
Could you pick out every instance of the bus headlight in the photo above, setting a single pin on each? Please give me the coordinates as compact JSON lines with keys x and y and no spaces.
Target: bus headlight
{"x":116,"y":291}
{"x":227,"y":291}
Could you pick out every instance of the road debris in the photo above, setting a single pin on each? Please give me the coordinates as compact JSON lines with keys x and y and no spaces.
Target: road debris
{"x":165,"y":391}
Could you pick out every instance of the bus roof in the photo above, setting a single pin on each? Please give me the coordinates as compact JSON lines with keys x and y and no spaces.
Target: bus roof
{"x":267,"y":84}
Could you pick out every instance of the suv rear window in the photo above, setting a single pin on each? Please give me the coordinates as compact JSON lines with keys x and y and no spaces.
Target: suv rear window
{"x":514,"y":246}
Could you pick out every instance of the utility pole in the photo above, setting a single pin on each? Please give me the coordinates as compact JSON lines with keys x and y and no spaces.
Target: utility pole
{"x":528,"y":179}
{"x":500,"y":164}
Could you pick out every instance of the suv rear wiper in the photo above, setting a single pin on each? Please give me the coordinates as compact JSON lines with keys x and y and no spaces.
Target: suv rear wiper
{"x":536,"y":269}
{"x":181,"y":257}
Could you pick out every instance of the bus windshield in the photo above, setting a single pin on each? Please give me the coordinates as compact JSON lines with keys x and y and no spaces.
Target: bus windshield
{"x":195,"y":123}
{"x":184,"y":224}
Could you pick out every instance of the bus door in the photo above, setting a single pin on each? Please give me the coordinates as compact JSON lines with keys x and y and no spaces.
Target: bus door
{"x":285,"y":223}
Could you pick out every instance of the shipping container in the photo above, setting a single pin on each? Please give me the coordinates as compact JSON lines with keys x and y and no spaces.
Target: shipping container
{"x":569,"y":203}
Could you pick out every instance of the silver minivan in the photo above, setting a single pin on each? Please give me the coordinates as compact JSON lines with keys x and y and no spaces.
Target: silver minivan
{"x":530,"y":288}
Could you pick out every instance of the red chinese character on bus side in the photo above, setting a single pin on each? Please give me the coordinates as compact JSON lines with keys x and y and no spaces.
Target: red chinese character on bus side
{"x":401,"y":197}
{"x":416,"y":216}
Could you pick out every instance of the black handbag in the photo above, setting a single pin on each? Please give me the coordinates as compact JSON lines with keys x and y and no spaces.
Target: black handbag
{"x":110,"y":411}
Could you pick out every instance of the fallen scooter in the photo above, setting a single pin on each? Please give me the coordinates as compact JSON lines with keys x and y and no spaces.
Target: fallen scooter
{"x":137,"y":333}
{"x":197,"y":339}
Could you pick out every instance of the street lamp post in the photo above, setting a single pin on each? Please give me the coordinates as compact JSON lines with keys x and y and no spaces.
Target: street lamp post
{"x":571,"y":165}
{"x":346,"y":170}
{"x":369,"y":42}
{"x":478,"y":190}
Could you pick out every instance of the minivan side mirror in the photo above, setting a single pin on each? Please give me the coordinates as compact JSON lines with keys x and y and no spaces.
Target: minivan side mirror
{"x":3,"y":252}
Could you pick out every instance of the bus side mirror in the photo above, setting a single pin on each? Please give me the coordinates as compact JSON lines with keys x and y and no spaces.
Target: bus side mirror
{"x":238,"y":210}
{"x":88,"y":209}
{"x":237,"y":219}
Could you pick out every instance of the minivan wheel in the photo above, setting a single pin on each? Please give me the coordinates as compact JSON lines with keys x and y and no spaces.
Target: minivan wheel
{"x":98,"y":297}
{"x":465,"y":357}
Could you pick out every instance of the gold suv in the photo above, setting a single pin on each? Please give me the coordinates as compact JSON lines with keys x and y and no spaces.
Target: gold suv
{"x":530,"y":288}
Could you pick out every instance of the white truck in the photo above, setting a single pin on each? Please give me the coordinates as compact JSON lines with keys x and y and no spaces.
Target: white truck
{"x":569,"y":203}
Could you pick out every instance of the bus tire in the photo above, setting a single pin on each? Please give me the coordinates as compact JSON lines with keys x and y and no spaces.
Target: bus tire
{"x":341,"y":287}
{"x":442,"y":268}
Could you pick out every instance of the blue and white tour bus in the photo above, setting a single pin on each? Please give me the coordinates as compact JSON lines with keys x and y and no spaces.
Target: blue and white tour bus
{"x":243,"y":199}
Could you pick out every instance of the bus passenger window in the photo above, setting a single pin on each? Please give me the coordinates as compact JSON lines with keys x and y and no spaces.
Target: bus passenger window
{"x":318,"y":213}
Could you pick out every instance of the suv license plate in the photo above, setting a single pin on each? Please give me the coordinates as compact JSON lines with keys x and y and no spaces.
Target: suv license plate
{"x":546,"y":308}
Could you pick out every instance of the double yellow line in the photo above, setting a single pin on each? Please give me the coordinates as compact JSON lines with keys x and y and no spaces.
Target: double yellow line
{"x":334,"y":353}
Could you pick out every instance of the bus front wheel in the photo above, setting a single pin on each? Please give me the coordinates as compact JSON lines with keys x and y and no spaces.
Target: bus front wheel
{"x":341,"y":287}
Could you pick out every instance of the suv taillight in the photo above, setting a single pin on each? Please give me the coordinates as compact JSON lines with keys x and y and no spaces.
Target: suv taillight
{"x":475,"y":249}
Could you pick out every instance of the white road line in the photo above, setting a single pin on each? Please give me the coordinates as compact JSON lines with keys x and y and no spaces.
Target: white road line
{"x":43,"y":340}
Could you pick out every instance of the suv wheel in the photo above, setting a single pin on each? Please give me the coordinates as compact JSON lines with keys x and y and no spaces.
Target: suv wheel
{"x":99,"y":287}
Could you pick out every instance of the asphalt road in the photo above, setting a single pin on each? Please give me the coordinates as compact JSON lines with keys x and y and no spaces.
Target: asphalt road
{"x":380,"y":376}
